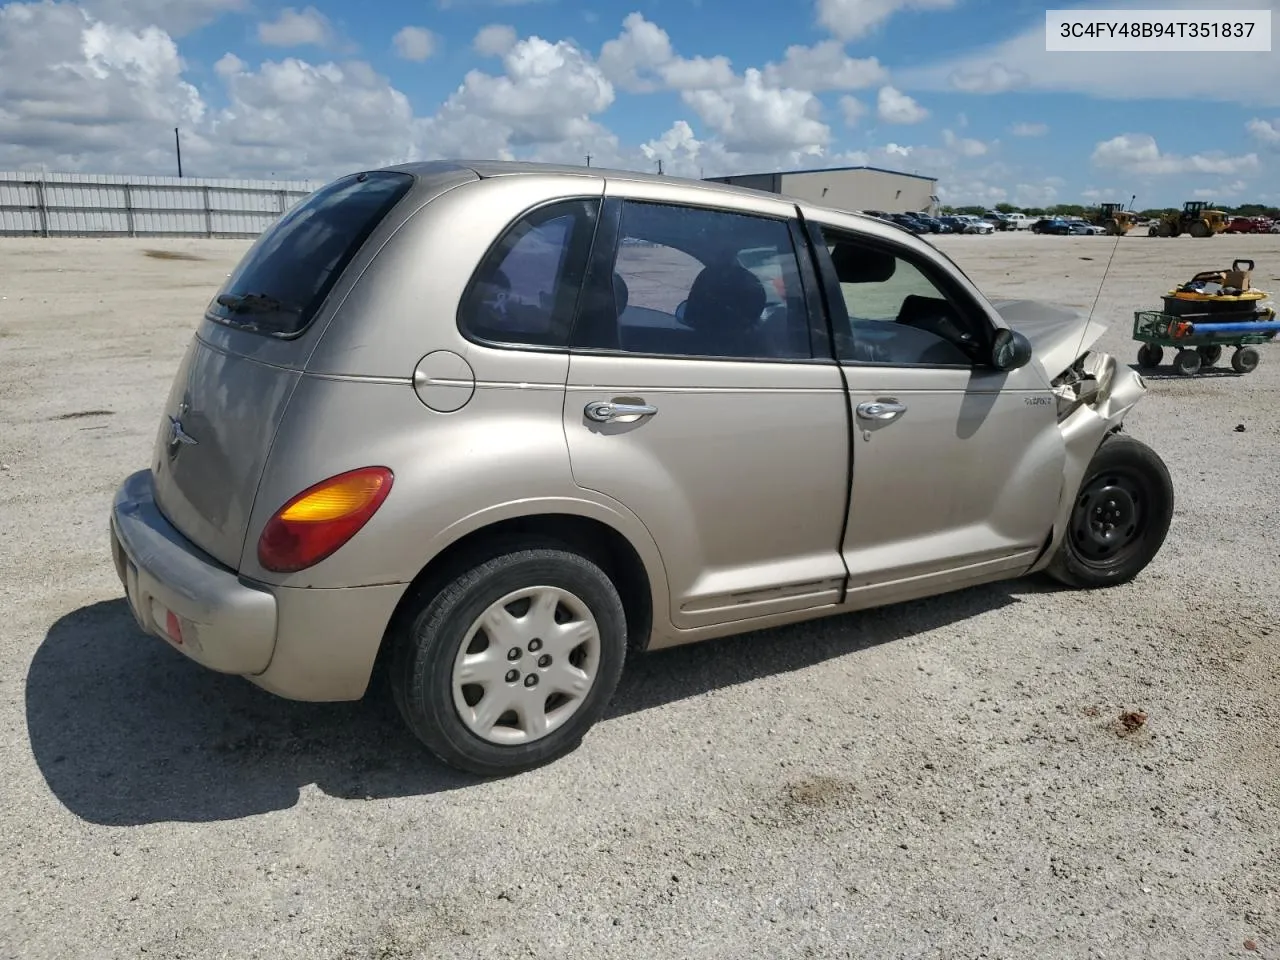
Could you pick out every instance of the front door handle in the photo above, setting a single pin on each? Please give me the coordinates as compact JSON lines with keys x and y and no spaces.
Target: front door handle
{"x":609,"y":411}
{"x":881,"y":410}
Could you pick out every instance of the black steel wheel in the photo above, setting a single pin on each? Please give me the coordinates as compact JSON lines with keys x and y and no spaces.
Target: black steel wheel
{"x":1209,"y":355}
{"x":1187,"y":362}
{"x":1120,"y":517}
{"x":1245,"y":360}
{"x":1150,"y":355}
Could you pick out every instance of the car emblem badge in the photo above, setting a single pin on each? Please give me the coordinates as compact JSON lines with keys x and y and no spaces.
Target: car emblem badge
{"x":179,"y":437}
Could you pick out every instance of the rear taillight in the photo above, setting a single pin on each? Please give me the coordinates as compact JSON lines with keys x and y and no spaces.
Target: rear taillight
{"x":320,"y":519}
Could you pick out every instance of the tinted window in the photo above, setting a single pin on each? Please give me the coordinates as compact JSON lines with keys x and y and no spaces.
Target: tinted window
{"x":689,"y":282}
{"x":895,"y":313}
{"x":527,"y":286}
{"x":279,"y":285}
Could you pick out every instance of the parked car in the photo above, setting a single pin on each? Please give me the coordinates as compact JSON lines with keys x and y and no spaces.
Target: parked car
{"x":1052,"y":225}
{"x":934,"y":224}
{"x":998,"y":220}
{"x":972,"y":224}
{"x":1084,"y":228}
{"x":446,"y":422}
{"x":1248,"y":225}
{"x":1275,"y":227}
{"x":1018,"y":221}
{"x":908,"y":222}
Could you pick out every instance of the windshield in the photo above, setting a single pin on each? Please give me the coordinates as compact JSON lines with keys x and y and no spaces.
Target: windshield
{"x":280,"y":284}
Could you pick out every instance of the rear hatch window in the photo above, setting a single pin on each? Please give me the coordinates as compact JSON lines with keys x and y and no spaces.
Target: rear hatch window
{"x":280,"y":284}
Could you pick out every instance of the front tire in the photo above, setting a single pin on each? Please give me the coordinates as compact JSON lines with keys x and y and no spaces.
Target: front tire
{"x":1120,"y":517}
{"x":1187,"y":362}
{"x":510,"y":664}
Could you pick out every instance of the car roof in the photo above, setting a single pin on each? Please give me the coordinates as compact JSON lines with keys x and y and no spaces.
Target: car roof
{"x":506,"y":168}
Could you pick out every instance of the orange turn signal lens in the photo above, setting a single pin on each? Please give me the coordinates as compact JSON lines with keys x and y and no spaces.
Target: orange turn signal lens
{"x":337,"y":498}
{"x":319,"y":520}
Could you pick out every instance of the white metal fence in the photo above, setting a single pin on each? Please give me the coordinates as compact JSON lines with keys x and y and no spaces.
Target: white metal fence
{"x":101,"y":205}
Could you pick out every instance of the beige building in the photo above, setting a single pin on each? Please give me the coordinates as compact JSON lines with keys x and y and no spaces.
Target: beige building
{"x":848,"y":188}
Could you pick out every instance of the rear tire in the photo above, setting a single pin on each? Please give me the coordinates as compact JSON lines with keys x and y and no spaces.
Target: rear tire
{"x":441,"y":688}
{"x":1199,"y":229}
{"x":1245,"y":360}
{"x":1120,"y":517}
{"x":1209,"y":355}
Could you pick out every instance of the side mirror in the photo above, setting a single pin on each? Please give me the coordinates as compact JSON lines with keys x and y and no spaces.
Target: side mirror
{"x":680,"y":310}
{"x":1010,"y":351}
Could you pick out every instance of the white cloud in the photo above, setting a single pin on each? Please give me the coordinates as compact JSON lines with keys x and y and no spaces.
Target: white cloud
{"x":296,"y":28}
{"x":548,"y":92}
{"x":1029,"y":129}
{"x":986,"y":78}
{"x":1020,"y":63}
{"x":1264,"y":131}
{"x":964,"y":146}
{"x":494,"y":40}
{"x":852,"y":109}
{"x":824,"y":66}
{"x":79,"y":93}
{"x":1226,"y":191}
{"x":681,"y":152}
{"x":303,"y":118}
{"x":415,"y":43}
{"x":752,"y":117}
{"x":175,"y":17}
{"x":894,"y":106}
{"x":1042,"y":194}
{"x":76,"y":92}
{"x":642,"y":59}
{"x":971,"y":190}
{"x":1139,"y":153}
{"x":850,"y":19}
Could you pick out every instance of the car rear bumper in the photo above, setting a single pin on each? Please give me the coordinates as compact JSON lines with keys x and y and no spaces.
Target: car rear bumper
{"x":184,"y":596}
{"x":298,"y":643}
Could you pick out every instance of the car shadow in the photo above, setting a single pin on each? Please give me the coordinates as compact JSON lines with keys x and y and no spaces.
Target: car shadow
{"x":127,"y":731}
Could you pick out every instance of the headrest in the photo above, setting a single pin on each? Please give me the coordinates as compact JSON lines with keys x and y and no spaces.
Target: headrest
{"x":726,"y":297}
{"x":860,"y":265}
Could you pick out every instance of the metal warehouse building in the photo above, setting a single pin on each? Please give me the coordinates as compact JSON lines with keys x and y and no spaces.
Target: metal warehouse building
{"x":848,"y":188}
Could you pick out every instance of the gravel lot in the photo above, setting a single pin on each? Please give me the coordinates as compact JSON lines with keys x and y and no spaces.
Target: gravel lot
{"x":945,"y":779}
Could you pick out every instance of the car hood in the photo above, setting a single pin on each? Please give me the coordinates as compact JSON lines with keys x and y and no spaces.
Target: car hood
{"x":1058,"y":334}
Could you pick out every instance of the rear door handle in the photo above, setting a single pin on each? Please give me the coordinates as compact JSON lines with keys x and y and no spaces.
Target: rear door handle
{"x":881,"y":410}
{"x":608,"y":411}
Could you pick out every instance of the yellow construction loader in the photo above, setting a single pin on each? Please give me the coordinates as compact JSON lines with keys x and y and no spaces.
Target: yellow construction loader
{"x":1114,"y":218}
{"x":1196,"y":218}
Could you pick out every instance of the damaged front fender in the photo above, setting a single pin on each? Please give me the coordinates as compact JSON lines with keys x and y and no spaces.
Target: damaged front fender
{"x":1094,"y":395}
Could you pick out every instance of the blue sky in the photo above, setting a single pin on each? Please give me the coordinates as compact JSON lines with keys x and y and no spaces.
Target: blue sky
{"x":960,"y":89}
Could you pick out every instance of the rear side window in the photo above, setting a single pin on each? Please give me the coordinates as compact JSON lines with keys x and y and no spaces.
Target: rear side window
{"x":284,"y":278}
{"x":526,"y":288}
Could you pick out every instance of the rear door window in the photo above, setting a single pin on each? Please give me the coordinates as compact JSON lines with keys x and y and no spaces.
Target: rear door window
{"x":279,"y":286}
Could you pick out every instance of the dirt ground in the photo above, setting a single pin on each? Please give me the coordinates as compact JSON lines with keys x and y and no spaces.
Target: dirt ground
{"x":949,"y":778}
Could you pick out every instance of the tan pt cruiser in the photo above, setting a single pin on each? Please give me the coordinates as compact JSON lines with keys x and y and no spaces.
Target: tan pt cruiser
{"x":508,"y":423}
